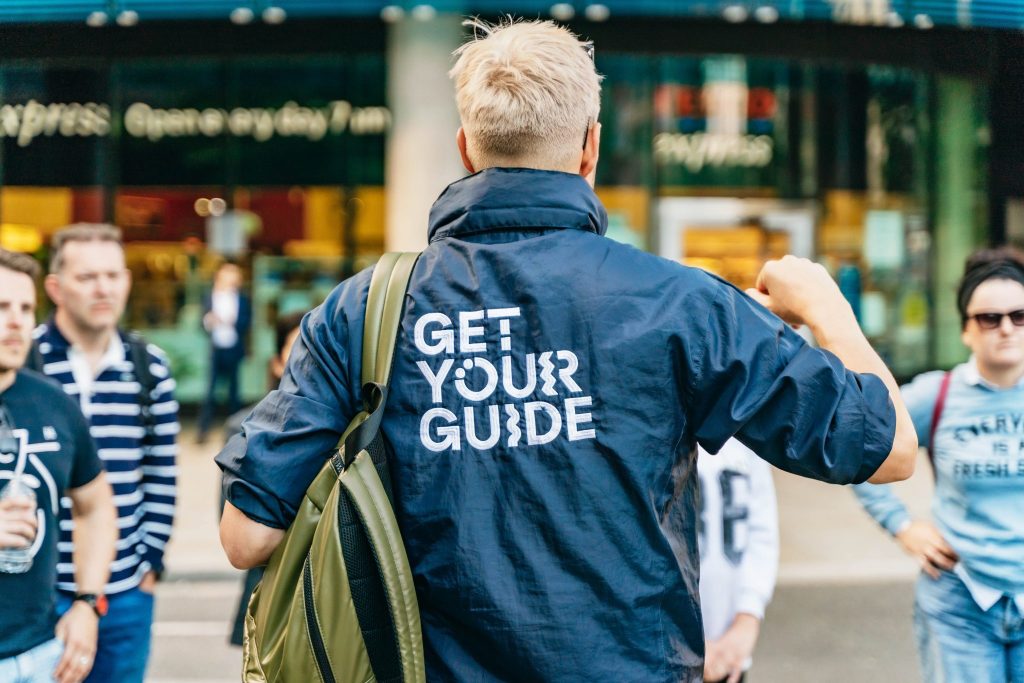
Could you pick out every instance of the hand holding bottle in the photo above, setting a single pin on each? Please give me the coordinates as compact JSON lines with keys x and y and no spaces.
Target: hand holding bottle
{"x":17,"y":521}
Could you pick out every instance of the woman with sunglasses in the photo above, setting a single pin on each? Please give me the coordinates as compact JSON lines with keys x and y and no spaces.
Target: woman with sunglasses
{"x":969,"y":611}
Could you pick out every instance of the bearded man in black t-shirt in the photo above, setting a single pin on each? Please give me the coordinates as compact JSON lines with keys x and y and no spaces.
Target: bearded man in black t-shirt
{"x":45,"y":445}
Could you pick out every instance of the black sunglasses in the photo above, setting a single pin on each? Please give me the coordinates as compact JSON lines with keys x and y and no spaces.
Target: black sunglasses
{"x":990,"y":321}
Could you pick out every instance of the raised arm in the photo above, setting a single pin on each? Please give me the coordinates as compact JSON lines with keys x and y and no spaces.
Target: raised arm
{"x":802,"y":292}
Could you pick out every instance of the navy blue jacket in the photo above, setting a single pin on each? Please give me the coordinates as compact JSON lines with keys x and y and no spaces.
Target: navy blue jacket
{"x":549,"y":388}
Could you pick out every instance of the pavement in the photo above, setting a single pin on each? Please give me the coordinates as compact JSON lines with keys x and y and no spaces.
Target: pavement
{"x":842,"y":609}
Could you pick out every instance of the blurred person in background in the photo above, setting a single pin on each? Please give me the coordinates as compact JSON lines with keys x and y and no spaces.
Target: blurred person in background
{"x":969,"y":611}
{"x":285,"y":332}
{"x":739,"y":556}
{"x":124,"y":388}
{"x":47,"y":453}
{"x":226,"y":319}
{"x":561,"y":550}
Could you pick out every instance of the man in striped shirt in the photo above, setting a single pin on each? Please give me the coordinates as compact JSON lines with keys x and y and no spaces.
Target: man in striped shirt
{"x":82,"y":348}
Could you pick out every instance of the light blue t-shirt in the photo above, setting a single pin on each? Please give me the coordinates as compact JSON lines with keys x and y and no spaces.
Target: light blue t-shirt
{"x":979,"y":461}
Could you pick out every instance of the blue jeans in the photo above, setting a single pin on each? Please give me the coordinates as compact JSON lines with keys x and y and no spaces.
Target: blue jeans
{"x":123,"y":647}
{"x":959,"y":643}
{"x":32,"y":666}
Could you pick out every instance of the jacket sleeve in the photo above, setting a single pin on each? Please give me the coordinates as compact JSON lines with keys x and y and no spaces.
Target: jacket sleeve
{"x":880,"y":501}
{"x":760,"y":563}
{"x":750,"y":375}
{"x":159,"y":467}
{"x":291,"y":433}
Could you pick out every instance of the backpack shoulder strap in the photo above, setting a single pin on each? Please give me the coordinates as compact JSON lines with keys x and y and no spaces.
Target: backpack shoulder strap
{"x":940,"y":404}
{"x":138,"y":354}
{"x":384,"y":307}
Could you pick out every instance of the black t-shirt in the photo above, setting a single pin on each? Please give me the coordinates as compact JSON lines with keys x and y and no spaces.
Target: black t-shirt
{"x":60,"y":455}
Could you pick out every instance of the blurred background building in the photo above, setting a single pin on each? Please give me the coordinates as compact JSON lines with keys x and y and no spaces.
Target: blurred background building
{"x":305,"y":137}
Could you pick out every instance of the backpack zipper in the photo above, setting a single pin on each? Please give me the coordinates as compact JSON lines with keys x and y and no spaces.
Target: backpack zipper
{"x":316,"y":638}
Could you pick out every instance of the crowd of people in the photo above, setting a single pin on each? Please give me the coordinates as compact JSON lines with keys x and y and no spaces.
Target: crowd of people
{"x":634,"y":537}
{"x":94,"y":426}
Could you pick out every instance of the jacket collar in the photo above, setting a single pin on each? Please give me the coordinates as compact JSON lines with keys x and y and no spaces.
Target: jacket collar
{"x":512,"y":199}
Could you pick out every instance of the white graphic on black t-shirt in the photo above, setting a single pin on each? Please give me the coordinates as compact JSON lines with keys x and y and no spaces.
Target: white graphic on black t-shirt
{"x":36,"y":476}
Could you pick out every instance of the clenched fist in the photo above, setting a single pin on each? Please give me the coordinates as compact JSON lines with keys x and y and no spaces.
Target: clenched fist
{"x":800,"y":292}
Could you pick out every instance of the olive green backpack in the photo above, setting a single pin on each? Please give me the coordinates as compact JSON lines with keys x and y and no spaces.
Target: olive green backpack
{"x":337,"y":602}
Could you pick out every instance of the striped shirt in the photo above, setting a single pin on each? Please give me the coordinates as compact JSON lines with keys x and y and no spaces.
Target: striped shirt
{"x":140,"y":467}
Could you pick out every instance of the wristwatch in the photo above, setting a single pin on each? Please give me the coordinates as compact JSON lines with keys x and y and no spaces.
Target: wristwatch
{"x":97,"y":602}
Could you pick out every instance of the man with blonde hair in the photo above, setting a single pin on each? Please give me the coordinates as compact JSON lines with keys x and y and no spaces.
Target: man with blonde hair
{"x":549,"y":390}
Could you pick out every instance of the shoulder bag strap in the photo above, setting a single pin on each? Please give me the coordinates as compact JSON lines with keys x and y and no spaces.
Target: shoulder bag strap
{"x":138,"y":353}
{"x":940,"y":404}
{"x":384,"y":306}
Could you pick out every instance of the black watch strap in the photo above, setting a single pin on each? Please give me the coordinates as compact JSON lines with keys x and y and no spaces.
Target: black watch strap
{"x":94,"y":601}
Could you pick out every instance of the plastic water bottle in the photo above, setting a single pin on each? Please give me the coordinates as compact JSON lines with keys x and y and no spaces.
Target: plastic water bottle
{"x":17,"y":560}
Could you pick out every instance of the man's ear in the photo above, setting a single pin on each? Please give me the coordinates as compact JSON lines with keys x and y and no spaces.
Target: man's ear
{"x":52,"y":287}
{"x":460,"y":140}
{"x":591,"y":152}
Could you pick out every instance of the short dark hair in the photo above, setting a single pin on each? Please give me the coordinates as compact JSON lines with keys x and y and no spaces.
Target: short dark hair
{"x":286,"y":324}
{"x":81,"y":232}
{"x":20,"y":263}
{"x":999,"y":263}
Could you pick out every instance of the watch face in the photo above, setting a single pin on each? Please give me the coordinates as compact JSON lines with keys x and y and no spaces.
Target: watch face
{"x":101,"y":605}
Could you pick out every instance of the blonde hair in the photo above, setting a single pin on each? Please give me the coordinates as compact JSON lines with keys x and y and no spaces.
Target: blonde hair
{"x":527,"y":92}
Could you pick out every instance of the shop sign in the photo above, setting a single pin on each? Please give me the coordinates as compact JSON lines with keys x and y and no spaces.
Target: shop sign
{"x":26,"y":122}
{"x":722,"y":125}
{"x":715,"y":123}
{"x":259,"y":123}
{"x":697,"y":151}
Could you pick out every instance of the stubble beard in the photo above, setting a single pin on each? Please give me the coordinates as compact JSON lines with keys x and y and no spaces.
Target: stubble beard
{"x":89,"y":326}
{"x":6,"y":365}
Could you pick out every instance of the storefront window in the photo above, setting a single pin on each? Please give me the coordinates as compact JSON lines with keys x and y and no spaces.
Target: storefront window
{"x":264,"y":161}
{"x":742,"y":160}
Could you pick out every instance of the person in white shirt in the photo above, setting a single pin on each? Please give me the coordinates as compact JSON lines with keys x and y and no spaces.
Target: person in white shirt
{"x":227,"y":318}
{"x":739,"y":556}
